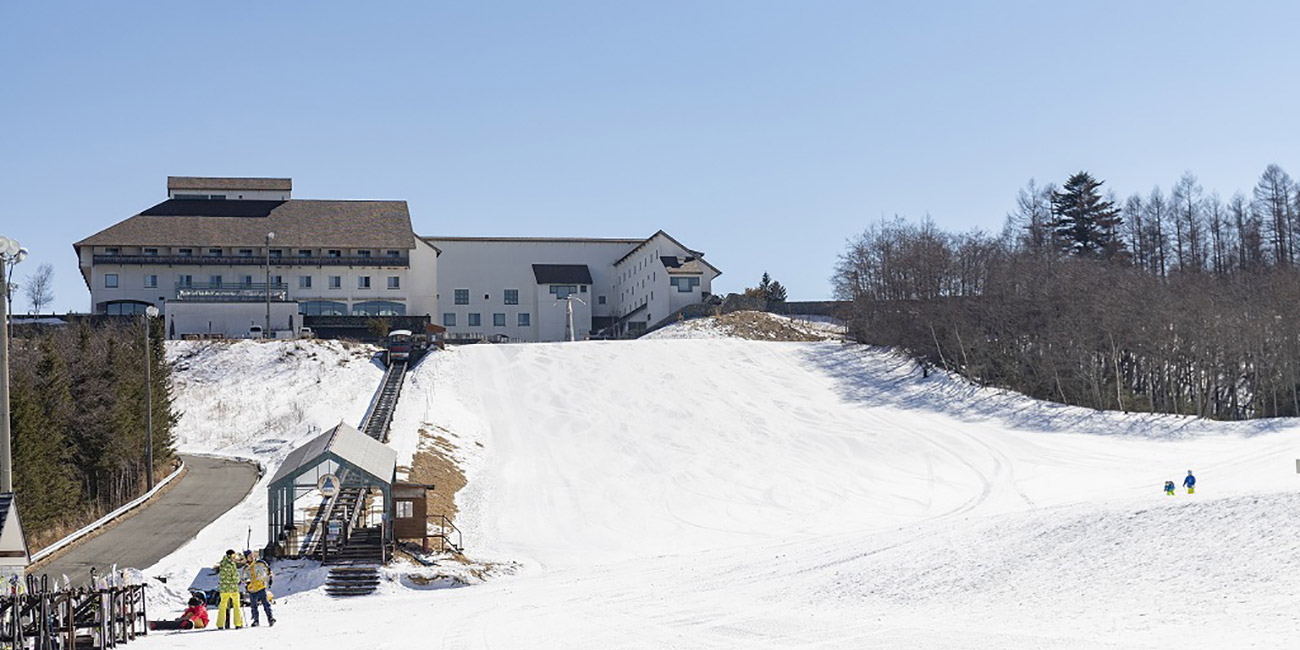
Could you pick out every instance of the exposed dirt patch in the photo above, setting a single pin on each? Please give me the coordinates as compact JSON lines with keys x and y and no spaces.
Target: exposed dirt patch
{"x":435,"y":465}
{"x":760,"y":326}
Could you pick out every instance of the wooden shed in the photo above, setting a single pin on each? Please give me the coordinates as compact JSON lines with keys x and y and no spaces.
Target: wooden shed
{"x":411,"y":512}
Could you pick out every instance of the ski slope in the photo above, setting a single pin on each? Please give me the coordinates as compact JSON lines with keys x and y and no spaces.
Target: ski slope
{"x":722,"y":493}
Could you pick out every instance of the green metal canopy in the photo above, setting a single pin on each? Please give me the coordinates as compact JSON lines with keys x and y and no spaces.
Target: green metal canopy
{"x":355,"y":458}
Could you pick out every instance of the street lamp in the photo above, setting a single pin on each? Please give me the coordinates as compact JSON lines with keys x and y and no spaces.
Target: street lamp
{"x":150,"y":313}
{"x":266,"y":331}
{"x":10,"y":254}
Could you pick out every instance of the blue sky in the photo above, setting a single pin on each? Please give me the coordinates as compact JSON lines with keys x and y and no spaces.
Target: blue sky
{"x":764,"y":133}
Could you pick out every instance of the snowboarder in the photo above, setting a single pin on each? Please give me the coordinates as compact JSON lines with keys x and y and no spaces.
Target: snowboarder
{"x":228,"y":585}
{"x":1169,"y":488}
{"x":1190,"y":483}
{"x":259,"y":583}
{"x":194,"y":618}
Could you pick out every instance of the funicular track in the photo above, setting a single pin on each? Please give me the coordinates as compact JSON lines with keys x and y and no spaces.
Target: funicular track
{"x":345,"y":511}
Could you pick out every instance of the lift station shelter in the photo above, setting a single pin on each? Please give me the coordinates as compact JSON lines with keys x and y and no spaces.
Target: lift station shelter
{"x":351,"y":458}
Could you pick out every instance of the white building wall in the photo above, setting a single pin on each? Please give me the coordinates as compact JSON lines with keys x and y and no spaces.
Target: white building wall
{"x":487,"y":267}
{"x":229,"y":319}
{"x":416,"y":289}
{"x":423,"y":278}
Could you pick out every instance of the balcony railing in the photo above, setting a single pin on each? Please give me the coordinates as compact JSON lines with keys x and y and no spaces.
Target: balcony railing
{"x":254,"y":260}
{"x":229,"y":292}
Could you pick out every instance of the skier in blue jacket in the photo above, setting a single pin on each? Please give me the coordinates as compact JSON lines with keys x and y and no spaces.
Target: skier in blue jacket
{"x":1190,"y":483}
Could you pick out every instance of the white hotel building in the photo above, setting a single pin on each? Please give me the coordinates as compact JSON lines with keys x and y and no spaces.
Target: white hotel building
{"x":203,"y":257}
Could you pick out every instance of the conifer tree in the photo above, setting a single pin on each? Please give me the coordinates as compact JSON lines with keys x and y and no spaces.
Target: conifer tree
{"x":1085,"y":223}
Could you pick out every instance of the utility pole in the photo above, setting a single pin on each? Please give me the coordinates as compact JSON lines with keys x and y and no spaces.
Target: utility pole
{"x":149,"y":313}
{"x":266,"y":331}
{"x":10,"y":254}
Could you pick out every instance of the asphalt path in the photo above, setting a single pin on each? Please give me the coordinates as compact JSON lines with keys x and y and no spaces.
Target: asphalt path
{"x":209,"y":488}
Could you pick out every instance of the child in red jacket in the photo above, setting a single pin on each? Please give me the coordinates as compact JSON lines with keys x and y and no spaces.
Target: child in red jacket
{"x":194,"y":618}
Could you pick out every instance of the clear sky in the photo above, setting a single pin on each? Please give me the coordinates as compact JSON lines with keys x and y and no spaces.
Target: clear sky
{"x":764,"y":133}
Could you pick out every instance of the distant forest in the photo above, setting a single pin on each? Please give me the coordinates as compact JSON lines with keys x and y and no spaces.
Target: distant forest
{"x":77,"y":397}
{"x":1169,"y":302}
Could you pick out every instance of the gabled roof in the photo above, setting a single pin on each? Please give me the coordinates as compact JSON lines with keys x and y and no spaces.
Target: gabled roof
{"x":226,"y":183}
{"x":12,"y":537}
{"x":305,"y":223}
{"x":562,"y":274}
{"x":349,"y":445}
{"x":699,"y":255}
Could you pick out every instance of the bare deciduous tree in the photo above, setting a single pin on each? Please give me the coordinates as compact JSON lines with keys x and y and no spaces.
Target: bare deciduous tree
{"x":40,"y":287}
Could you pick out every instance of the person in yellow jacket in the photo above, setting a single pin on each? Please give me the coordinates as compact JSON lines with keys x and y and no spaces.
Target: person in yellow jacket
{"x":258,"y":576}
{"x":228,"y":585}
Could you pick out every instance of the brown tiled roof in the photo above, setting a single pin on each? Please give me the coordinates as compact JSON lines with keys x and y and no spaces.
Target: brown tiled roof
{"x":203,"y":183}
{"x":315,"y":224}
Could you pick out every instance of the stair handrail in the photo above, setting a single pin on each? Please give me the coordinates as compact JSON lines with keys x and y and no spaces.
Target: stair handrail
{"x":459,"y":545}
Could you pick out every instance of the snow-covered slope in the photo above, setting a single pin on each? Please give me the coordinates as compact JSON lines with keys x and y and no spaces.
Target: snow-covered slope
{"x":739,"y":494}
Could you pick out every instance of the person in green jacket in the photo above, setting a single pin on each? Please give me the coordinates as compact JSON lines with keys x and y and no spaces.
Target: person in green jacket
{"x":228,"y":585}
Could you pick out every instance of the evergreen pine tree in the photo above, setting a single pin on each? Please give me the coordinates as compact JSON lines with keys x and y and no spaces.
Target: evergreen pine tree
{"x":1085,"y":223}
{"x":776,"y":292}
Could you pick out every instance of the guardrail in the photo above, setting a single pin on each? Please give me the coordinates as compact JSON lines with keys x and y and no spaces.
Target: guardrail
{"x":50,"y":550}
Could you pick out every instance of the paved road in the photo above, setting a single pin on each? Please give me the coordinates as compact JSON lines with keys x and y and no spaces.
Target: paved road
{"x":209,"y":488}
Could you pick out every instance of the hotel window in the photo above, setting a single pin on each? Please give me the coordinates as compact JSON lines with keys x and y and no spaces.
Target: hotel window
{"x":336,"y":282}
{"x":185,"y":280}
{"x":512,"y":296}
{"x":475,"y":320}
{"x":151,"y":282}
{"x":562,"y":291}
{"x":214,"y":280}
{"x":600,"y":300}
{"x":185,"y":252}
{"x":151,"y":252}
{"x":334,"y":252}
{"x":363,"y":282}
{"x":498,"y":320}
{"x":462,"y":296}
{"x":524,"y":320}
{"x":110,"y":280}
{"x":304,"y":282}
{"x":245,"y":252}
{"x":214,"y":252}
{"x":112,"y":251}
{"x":684,"y":285}
{"x":394,"y":282}
{"x":363,"y":253}
{"x":394,"y":253}
{"x":304,"y":252}
{"x":247,"y":280}
{"x":277,"y":279}
{"x":449,"y":320}
{"x":277,"y":252}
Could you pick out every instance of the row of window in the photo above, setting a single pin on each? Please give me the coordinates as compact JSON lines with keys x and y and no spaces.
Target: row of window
{"x":308,"y":308}
{"x":248,"y":252}
{"x":524,"y":319}
{"x":365,"y":308}
{"x":112,"y":281}
{"x":511,"y":296}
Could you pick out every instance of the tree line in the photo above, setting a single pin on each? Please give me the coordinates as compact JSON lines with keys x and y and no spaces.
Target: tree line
{"x":77,"y":418}
{"x":1174,"y":302}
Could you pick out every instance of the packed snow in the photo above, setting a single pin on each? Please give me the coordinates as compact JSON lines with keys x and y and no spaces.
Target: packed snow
{"x":722,"y":493}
